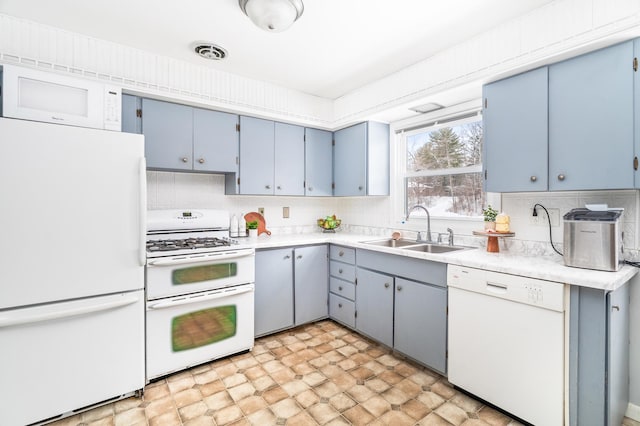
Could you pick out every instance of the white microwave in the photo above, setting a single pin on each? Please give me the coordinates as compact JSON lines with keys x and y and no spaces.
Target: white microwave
{"x":36,"y":95}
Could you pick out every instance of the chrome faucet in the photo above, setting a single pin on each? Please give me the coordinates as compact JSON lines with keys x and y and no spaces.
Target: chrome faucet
{"x":419,"y":239}
{"x":450,"y":231}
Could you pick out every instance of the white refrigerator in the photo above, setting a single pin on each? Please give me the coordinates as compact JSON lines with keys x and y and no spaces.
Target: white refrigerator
{"x":72,"y":244}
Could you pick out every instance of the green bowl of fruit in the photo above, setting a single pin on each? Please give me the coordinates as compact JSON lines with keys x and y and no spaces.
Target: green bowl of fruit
{"x":329,"y":223}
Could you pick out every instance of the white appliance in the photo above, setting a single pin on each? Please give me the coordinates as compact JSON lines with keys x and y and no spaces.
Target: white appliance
{"x":506,"y":342}
{"x":200,"y":291}
{"x":72,"y":241}
{"x":31,"y":94}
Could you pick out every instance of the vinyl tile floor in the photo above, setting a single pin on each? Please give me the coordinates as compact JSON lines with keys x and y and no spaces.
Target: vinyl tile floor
{"x":318,"y":374}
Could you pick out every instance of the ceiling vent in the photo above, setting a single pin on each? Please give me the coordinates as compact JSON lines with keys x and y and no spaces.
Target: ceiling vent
{"x":430,"y":107}
{"x":210,"y":51}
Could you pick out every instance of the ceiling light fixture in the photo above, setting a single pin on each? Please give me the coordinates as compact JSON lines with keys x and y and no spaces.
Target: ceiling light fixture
{"x":272,"y":15}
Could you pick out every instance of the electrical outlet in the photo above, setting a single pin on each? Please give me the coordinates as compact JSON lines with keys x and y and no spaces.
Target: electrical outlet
{"x":261,"y":210}
{"x":285,"y":212}
{"x":541,"y":219}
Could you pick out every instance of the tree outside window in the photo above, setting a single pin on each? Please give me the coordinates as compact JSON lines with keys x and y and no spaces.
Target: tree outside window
{"x":444,"y":169}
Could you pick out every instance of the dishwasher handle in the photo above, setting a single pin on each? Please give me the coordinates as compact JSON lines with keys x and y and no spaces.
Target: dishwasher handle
{"x":496,"y":288}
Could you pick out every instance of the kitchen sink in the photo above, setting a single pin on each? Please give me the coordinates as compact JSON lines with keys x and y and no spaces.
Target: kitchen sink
{"x":390,"y":242}
{"x":434,"y":248}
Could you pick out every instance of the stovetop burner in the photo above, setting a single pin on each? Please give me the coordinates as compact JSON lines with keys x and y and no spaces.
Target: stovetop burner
{"x":186,"y":244}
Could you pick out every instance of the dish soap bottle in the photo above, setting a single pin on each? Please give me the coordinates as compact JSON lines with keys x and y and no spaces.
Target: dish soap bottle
{"x":242,"y":226}
{"x":233,"y":227}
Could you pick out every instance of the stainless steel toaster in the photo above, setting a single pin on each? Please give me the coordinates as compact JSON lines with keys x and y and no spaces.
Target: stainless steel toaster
{"x":593,"y":239}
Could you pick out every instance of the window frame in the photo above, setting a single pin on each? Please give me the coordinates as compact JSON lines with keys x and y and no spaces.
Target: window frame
{"x":463,"y":113}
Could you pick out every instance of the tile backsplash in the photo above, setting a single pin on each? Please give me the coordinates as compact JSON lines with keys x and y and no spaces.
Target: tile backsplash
{"x":374,"y":215}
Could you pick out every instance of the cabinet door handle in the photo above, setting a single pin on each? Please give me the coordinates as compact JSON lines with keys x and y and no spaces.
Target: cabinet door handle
{"x":386,"y":285}
{"x":561,"y":177}
{"x":340,"y":288}
{"x":184,"y":159}
{"x":360,"y":188}
{"x":399,"y":288}
{"x":616,"y":307}
{"x":339,"y":305}
{"x":201,"y":160}
{"x":310,"y":189}
{"x":278,"y":187}
{"x":339,"y":271}
{"x":267,"y":186}
{"x":341,"y":253}
{"x":287,"y":257}
{"x":299,"y":257}
{"x":534,"y":178}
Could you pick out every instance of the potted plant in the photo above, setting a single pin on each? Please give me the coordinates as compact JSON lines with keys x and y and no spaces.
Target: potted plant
{"x":253,"y":228}
{"x":489,"y":218}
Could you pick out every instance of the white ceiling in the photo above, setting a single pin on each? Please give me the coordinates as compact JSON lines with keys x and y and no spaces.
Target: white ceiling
{"x":336,"y":46}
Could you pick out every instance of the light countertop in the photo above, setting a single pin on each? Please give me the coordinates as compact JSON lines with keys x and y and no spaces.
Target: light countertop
{"x":550,"y":268}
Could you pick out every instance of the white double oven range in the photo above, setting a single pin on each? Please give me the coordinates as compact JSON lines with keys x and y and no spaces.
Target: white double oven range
{"x":199,"y":290}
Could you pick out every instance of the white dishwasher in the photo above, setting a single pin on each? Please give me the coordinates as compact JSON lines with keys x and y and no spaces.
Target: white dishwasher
{"x":506,"y":342}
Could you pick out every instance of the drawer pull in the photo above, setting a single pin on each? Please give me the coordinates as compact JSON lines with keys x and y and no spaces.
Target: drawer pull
{"x":340,"y":288}
{"x":341,"y":253}
{"x":339,"y":305}
{"x":340,"y":271}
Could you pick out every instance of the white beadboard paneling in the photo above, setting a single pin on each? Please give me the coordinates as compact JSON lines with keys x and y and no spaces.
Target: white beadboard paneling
{"x":29,"y":42}
{"x":605,"y":11}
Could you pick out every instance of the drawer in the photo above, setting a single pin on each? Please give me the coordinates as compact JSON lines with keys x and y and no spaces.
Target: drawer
{"x":342,"y":271}
{"x":342,"y":310}
{"x":343,"y":254}
{"x":342,"y":288}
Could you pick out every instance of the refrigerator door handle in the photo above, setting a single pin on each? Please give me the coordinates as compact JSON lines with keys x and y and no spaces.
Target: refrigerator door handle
{"x":66,"y":313}
{"x":143,"y":211}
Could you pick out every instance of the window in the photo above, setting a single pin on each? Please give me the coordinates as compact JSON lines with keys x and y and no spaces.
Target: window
{"x":444,"y":169}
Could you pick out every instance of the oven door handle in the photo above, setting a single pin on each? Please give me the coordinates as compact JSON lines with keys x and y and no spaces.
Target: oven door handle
{"x":208,"y":257}
{"x":196,"y":299}
{"x":66,"y":313}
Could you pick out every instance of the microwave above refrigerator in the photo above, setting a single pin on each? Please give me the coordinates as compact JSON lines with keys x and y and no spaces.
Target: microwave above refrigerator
{"x":36,"y":95}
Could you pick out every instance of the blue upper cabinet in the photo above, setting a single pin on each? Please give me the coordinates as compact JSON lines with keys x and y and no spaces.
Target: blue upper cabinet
{"x":271,"y":157}
{"x":515,"y":133}
{"x":180,"y":137}
{"x":168,"y":134}
{"x":289,"y":159}
{"x":257,"y":148}
{"x":131,"y":114}
{"x":215,"y":141}
{"x":591,"y":120}
{"x":636,"y":103}
{"x":361,"y":160}
{"x":350,"y":161}
{"x":318,"y":162}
